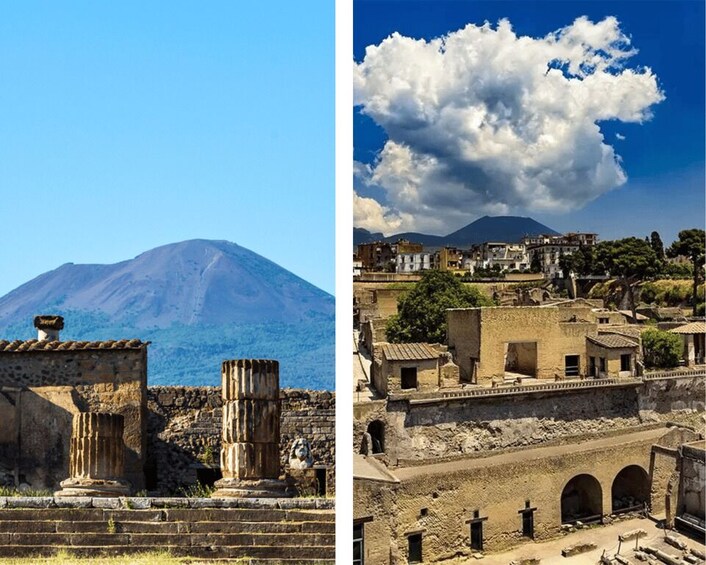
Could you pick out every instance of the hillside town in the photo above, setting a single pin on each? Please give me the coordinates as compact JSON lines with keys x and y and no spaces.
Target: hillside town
{"x":535,"y":254}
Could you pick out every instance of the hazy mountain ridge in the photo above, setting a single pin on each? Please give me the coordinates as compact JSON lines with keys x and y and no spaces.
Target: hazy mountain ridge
{"x":198,"y":301}
{"x":507,"y":229}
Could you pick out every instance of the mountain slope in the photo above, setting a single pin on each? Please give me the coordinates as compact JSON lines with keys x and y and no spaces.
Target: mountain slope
{"x":198,"y":301}
{"x":507,"y":229}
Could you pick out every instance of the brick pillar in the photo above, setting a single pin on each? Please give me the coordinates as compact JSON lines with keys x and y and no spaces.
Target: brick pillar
{"x":250,"y":461}
{"x":96,"y":461}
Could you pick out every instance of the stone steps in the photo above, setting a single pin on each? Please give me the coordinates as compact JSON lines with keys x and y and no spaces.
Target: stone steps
{"x":313,"y":555}
{"x":133,"y":527}
{"x":265,"y":535}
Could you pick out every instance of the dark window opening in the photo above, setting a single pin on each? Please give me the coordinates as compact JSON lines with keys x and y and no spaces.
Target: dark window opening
{"x":571,"y":364}
{"x":415,"y":548}
{"x":409,"y":377}
{"x":528,"y":524}
{"x":208,"y":476}
{"x":625,"y":362}
{"x":603,"y":320}
{"x":151,"y":479}
{"x":592,"y":367}
{"x":424,"y":512}
{"x":602,"y":364}
{"x":358,"y":544}
{"x":477,"y":536}
{"x":376,"y":429}
{"x":321,"y":482}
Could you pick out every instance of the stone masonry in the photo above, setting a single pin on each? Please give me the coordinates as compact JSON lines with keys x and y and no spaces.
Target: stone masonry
{"x":251,"y":420}
{"x":97,"y":457}
{"x":184,"y":431}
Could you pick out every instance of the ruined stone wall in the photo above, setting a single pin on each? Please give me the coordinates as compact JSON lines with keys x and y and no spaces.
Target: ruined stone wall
{"x":452,"y":427}
{"x":678,"y":398}
{"x":693,"y":480}
{"x":439,"y":499}
{"x":58,"y":384}
{"x":374,"y":506}
{"x":455,"y":427}
{"x":184,"y":431}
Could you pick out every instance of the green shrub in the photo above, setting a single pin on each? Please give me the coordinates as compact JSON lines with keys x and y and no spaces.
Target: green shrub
{"x":662,"y":350}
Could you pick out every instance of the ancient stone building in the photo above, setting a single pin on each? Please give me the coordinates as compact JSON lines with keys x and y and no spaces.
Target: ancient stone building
{"x":536,"y":342}
{"x":172,"y":435}
{"x":44,"y":382}
{"x":536,"y":417}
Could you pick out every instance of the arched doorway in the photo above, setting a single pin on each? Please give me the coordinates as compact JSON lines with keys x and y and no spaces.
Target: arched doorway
{"x":631,"y":489}
{"x":376,"y":429}
{"x":582,"y":500}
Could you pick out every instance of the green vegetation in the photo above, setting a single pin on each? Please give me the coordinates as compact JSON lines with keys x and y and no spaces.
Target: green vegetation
{"x":662,"y":349}
{"x":197,"y":490}
{"x":14,"y":492}
{"x":111,"y":526}
{"x":206,"y":456}
{"x":691,"y":244}
{"x":421,"y":313}
{"x":668,"y":292}
{"x":192,"y":355}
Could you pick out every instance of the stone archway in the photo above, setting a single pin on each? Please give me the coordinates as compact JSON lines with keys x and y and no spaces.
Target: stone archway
{"x":582,"y":499}
{"x":631,"y":489}
{"x":376,"y":429}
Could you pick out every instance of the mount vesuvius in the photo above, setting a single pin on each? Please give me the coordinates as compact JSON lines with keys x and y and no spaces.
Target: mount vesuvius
{"x":198,"y":302}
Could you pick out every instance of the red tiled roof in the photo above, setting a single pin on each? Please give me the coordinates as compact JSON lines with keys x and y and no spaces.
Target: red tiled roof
{"x":35,"y":345}
{"x":613,"y":341}
{"x":408,"y":352}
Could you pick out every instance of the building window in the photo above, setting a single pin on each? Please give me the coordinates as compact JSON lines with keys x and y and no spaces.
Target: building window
{"x":602,"y":365}
{"x":358,"y":544}
{"x":603,"y":320}
{"x":571,"y":365}
{"x":414,"y":542}
{"x":477,"y":536}
{"x":625,"y":362}
{"x":476,"y":525}
{"x":409,"y":377}
{"x":592,"y":366}
{"x":527,"y":520}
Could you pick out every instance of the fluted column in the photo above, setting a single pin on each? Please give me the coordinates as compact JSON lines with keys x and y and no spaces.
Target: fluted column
{"x":96,"y":461}
{"x":250,"y":461}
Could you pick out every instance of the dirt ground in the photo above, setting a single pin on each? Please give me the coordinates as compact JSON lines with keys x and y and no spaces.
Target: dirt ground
{"x":605,"y":537}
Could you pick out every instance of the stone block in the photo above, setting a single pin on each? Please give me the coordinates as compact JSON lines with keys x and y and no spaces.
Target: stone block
{"x":578,"y":548}
{"x":108,"y":503}
{"x":73,"y":501}
{"x":30,"y":502}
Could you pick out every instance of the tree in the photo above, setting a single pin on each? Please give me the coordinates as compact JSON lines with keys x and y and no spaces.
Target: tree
{"x":630,"y":260}
{"x":661,"y":349}
{"x":580,"y":262}
{"x":421,"y":313}
{"x":691,"y":245}
{"x":657,"y":245}
{"x":535,"y":264}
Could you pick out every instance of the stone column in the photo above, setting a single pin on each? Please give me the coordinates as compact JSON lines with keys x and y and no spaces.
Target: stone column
{"x":96,"y":457}
{"x":251,"y":418}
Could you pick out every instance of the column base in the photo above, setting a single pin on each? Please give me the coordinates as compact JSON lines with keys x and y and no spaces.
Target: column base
{"x":242,"y":488}
{"x":93,"y":487}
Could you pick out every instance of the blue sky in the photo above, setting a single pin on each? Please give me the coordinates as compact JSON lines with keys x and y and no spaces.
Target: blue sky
{"x":663,"y":158}
{"x":128,"y":125}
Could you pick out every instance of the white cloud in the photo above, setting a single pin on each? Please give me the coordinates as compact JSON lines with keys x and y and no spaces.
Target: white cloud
{"x":620,"y":136}
{"x":482,"y":121}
